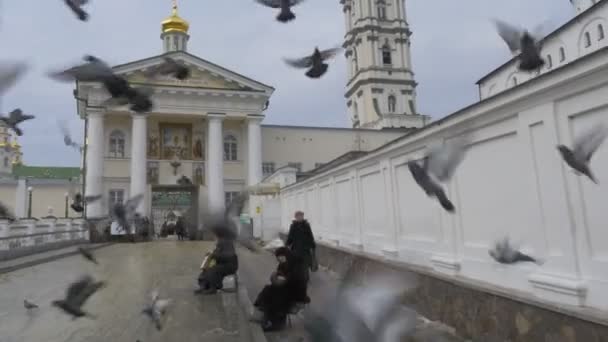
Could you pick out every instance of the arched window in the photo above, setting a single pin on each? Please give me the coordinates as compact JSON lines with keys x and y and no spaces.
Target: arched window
{"x":386,"y":54}
{"x":230,"y":147}
{"x":562,"y":54}
{"x":392,"y":103}
{"x":600,"y":32}
{"x":514,"y":81}
{"x":381,"y":7}
{"x":117,"y":144}
{"x":587,"y":39}
{"x":549,"y":62}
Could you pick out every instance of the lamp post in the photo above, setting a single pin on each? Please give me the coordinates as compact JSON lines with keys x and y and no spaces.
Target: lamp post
{"x":66,"y":195}
{"x":29,"y":206}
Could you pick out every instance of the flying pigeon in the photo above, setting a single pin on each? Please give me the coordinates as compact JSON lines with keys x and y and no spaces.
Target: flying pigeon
{"x":87,"y":254}
{"x":430,"y":187}
{"x":5,"y":213}
{"x":10,"y":74}
{"x":585,"y":145}
{"x":523,"y":41}
{"x":15,"y":118}
{"x":125,"y":213}
{"x":285,"y":5}
{"x":77,"y":294}
{"x":156,"y":309}
{"x":29,"y":305}
{"x":76,"y":7}
{"x":67,"y":137}
{"x":78,"y":202}
{"x":170,"y":67}
{"x":314,"y":62}
{"x":96,"y":70}
{"x":504,"y":253}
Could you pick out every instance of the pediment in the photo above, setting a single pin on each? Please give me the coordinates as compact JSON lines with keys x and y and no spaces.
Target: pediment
{"x":204,"y":74}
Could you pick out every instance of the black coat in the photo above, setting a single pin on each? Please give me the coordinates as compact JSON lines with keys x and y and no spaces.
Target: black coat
{"x":300,"y":239}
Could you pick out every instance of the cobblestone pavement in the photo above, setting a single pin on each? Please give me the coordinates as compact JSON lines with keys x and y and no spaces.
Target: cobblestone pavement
{"x":131,"y":271}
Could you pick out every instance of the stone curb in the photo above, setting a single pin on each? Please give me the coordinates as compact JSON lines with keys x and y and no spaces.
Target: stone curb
{"x":47,"y":259}
{"x":257,"y":335}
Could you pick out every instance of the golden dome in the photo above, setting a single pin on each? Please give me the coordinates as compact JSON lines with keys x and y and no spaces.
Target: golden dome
{"x":174,"y":23}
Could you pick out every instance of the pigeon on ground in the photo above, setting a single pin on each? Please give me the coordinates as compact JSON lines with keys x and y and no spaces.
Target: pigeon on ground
{"x":67,"y":137}
{"x":438,"y":166}
{"x":79,"y":202}
{"x":285,"y":5}
{"x":585,"y":145}
{"x":9,"y":74}
{"x":29,"y":305}
{"x":315,"y":62}
{"x":76,"y":7}
{"x":77,"y":294}
{"x":523,"y":41}
{"x":96,"y":70}
{"x":504,"y":253}
{"x":170,"y":67}
{"x":156,"y":309}
{"x":87,"y":254}
{"x":125,"y":213}
{"x":14,"y":119}
{"x":5,"y":213}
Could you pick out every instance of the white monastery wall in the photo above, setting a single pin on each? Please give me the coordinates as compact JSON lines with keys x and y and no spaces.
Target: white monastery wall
{"x":511,"y":182}
{"x":586,"y":33}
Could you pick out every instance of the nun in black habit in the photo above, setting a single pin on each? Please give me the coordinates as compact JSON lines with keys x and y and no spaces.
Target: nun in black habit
{"x":287,"y":288}
{"x":226,"y":262}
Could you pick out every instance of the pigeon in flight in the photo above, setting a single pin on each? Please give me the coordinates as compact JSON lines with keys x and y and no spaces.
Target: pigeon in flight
{"x":67,"y":137}
{"x":170,"y":67}
{"x":96,"y":70}
{"x":29,"y":305}
{"x":10,"y":74}
{"x":87,"y":254}
{"x":315,"y":62}
{"x":504,"y":253}
{"x":76,"y":7}
{"x":15,"y":118}
{"x":285,"y":5}
{"x":438,"y":166}
{"x":523,"y":41}
{"x":77,"y":294}
{"x":5,"y":213}
{"x":585,"y":145}
{"x":78,"y":202}
{"x":125,"y":213}
{"x":156,"y":309}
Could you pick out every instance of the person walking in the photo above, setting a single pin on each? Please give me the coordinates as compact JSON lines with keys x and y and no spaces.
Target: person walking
{"x":301,"y":243}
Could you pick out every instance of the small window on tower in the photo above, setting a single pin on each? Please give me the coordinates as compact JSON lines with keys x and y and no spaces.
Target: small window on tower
{"x":587,"y":39}
{"x":562,"y":54}
{"x":386,"y":54}
{"x":381,"y":6}
{"x":600,"y":32}
{"x":392,"y":103}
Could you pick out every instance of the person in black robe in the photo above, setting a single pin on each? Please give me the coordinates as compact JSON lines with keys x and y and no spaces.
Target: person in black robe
{"x":301,"y":243}
{"x":179,"y":228}
{"x":226,"y":263}
{"x":284,"y":291}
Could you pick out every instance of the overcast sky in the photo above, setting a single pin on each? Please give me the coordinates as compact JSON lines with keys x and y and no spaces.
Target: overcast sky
{"x":453,"y":45}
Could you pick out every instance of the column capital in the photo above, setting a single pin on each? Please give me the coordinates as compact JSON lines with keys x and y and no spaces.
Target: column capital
{"x":95,"y":111}
{"x":216,"y":116}
{"x":255,"y":117}
{"x":136,"y":115}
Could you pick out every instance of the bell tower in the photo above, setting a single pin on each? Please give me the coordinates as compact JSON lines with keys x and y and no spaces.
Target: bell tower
{"x":381,"y":90}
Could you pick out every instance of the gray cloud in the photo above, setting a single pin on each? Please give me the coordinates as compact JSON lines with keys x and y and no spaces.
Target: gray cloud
{"x":453,"y":45}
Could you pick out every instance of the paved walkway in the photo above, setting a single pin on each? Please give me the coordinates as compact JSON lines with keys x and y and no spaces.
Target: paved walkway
{"x":132,"y":271}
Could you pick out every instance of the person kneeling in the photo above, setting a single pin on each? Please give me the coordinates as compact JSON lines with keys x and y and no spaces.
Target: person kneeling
{"x":222,"y":262}
{"x":284,"y":292}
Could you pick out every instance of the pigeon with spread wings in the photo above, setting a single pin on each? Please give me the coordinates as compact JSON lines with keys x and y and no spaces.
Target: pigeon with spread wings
{"x":524,"y":42}
{"x":315,"y":62}
{"x":67,"y":137}
{"x":77,"y":294}
{"x":14,"y":119}
{"x":10,"y":73}
{"x":585,"y":145}
{"x":76,"y":7}
{"x":124,"y":214}
{"x":169,"y":66}
{"x":285,"y":5}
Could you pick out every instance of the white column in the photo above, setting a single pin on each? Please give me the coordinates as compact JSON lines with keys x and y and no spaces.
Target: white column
{"x":94,"y":161}
{"x":139,"y":159}
{"x":254,"y":149}
{"x":215,"y":162}
{"x":21,"y":198}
